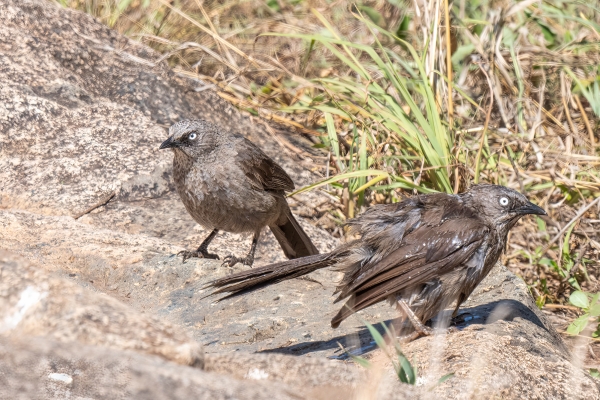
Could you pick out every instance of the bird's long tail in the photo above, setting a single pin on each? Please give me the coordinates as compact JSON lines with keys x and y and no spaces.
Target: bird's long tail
{"x":292,"y":238}
{"x":256,"y":278}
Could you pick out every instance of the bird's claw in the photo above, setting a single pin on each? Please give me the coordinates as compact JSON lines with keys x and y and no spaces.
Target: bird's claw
{"x":462,"y":319}
{"x":428,"y":331}
{"x":198,"y":254}
{"x":231,"y":260}
{"x":425,"y":332}
{"x":452,"y":329}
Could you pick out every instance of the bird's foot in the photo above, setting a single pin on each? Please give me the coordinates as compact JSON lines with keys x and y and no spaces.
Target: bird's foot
{"x":462,"y":319}
{"x":452,"y":329}
{"x":419,"y":327}
{"x":408,"y":338}
{"x":198,"y":254}
{"x":231,"y":260}
{"x":424,"y":332}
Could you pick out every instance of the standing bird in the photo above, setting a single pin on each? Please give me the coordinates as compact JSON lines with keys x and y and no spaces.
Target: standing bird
{"x":227,"y":183}
{"x":421,"y":254}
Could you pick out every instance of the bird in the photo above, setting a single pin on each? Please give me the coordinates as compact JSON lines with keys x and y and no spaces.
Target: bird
{"x":422,"y":254}
{"x":227,"y":183}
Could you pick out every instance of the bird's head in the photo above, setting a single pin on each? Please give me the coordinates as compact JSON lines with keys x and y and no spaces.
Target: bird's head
{"x":500,"y":205}
{"x":191,"y":137}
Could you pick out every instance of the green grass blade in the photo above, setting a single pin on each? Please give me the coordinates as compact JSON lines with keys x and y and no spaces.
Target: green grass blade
{"x":333,"y":140}
{"x":340,"y":177}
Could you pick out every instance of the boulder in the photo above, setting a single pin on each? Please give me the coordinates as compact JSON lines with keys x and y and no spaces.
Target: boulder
{"x":36,"y":304}
{"x":44,"y":369}
{"x":95,"y":303}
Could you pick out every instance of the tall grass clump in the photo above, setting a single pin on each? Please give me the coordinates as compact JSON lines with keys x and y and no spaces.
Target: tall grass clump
{"x":388,"y":119}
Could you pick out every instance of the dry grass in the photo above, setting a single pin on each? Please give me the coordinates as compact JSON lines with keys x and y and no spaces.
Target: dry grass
{"x":524,"y":110}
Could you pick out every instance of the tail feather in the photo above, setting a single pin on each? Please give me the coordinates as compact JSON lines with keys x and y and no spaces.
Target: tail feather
{"x":356,"y":302}
{"x":256,"y":278}
{"x":346,"y":311}
{"x":292,"y":238}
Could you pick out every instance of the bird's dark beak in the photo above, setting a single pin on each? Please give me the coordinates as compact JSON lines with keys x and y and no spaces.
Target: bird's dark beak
{"x":530,"y":208}
{"x":167,"y":144}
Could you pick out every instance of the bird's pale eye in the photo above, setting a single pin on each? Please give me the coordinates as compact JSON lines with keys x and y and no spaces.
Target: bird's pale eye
{"x":192,"y":136}
{"x":504,"y":201}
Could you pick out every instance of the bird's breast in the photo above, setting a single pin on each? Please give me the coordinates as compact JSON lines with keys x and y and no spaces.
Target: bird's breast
{"x":218,"y":196}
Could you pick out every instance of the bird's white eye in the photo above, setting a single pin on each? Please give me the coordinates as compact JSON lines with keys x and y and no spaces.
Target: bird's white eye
{"x":504,"y":201}
{"x":192,"y":136}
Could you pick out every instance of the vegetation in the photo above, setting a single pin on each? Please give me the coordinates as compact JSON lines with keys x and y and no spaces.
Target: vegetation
{"x":405,"y":370}
{"x":404,"y":102}
{"x":591,"y":312}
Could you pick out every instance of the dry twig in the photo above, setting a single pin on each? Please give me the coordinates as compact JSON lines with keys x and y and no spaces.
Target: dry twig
{"x":571,"y":222}
{"x":103,"y":201}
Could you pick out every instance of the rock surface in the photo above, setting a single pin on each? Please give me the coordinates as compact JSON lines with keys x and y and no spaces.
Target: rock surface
{"x":100,"y":307}
{"x":44,"y":369}
{"x":35,"y":303}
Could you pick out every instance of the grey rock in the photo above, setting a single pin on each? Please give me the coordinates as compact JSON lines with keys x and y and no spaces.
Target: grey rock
{"x":34,"y":303}
{"x":82,"y":112}
{"x":44,"y":369}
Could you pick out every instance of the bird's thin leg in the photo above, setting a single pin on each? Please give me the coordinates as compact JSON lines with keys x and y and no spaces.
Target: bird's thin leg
{"x":420,"y":328}
{"x":461,"y":298}
{"x":409,"y":338}
{"x":414,"y":320}
{"x":202,"y":251}
{"x":458,"y":319}
{"x":231,"y":260}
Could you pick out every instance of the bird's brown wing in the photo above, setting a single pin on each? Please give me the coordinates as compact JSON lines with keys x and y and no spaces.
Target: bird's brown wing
{"x":261,"y":170}
{"x":410,"y":224}
{"x":426,"y":252}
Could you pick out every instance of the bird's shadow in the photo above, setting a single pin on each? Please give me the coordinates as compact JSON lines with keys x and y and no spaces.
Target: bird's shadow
{"x":361,"y":342}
